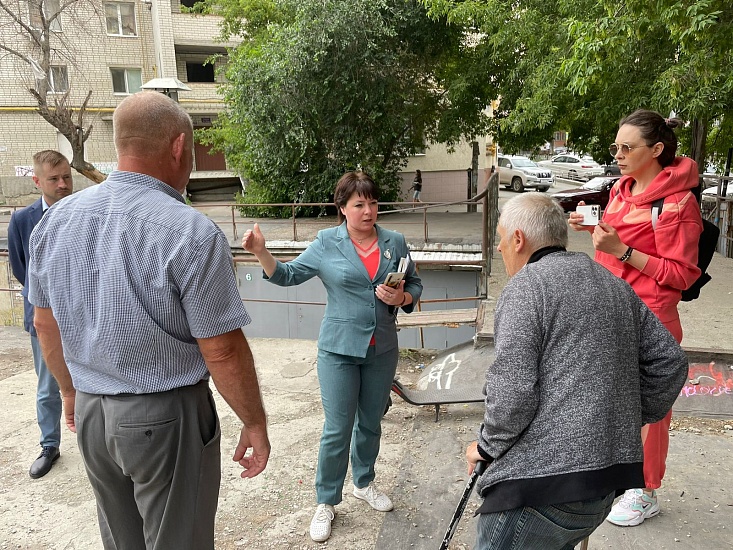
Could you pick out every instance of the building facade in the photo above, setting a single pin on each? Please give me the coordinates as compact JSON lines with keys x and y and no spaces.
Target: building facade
{"x":445,"y":173}
{"x":111,"y":48}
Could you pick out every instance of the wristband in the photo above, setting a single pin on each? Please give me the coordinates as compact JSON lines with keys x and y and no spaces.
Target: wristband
{"x":404,"y":299}
{"x":626,"y":255}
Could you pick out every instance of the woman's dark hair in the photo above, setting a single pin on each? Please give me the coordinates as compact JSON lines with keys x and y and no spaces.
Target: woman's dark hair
{"x":418,"y":176}
{"x":655,"y":128}
{"x":353,"y":182}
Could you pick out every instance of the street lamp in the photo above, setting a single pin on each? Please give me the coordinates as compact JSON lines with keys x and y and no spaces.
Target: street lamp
{"x":169,"y":86}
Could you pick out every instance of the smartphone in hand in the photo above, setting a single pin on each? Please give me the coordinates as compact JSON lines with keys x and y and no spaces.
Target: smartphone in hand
{"x":591,"y":213}
{"x":393,"y":279}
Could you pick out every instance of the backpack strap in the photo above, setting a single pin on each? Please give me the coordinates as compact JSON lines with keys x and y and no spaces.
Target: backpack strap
{"x":657,"y":206}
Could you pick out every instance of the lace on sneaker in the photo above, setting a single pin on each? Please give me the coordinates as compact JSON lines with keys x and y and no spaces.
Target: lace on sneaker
{"x":630,"y":497}
{"x":323,"y":513}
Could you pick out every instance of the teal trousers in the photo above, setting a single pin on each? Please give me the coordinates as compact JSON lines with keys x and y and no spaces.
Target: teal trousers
{"x":354,"y":393}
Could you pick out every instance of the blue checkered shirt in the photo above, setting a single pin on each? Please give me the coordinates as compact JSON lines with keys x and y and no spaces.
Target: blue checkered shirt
{"x":133,"y":276}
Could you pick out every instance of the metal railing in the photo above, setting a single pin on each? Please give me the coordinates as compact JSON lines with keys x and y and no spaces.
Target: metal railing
{"x":488,"y":198}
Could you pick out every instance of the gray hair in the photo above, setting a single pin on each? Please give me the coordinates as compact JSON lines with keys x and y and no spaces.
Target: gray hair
{"x":539,"y":217}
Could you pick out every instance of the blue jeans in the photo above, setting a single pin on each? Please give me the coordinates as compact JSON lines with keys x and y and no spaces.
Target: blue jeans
{"x":555,"y":527}
{"x":48,"y":400}
{"x":354,"y":392}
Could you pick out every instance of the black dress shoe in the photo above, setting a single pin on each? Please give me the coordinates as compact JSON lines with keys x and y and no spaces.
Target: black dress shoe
{"x":43,"y":463}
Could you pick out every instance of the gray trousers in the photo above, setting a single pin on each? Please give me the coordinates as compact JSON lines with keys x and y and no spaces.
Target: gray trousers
{"x":154,"y":463}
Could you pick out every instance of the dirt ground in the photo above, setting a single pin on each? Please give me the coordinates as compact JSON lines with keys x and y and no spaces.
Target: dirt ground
{"x":272,"y":511}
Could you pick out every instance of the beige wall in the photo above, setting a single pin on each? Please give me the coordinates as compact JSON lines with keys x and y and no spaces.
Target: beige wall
{"x":444,"y":172}
{"x":23,"y":132}
{"x":438,"y":157}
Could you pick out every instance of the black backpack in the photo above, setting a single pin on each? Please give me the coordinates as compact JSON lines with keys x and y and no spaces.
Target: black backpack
{"x":705,"y":249}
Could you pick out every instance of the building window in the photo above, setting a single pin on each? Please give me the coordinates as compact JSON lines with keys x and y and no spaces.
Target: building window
{"x":199,"y":72}
{"x":58,"y":79}
{"x":189,"y":3}
{"x":120,"y":18}
{"x":126,"y":81}
{"x":50,"y":8}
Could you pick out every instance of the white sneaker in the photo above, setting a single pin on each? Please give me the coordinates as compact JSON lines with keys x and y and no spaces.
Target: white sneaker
{"x":321,"y":522}
{"x":633,"y":508}
{"x":376,"y":499}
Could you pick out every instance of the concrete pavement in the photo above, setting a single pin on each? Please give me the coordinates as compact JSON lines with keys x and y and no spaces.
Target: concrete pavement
{"x":421,"y":461}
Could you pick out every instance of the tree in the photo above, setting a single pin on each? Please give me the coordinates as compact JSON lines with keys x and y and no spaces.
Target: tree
{"x":674,"y":56}
{"x":581,"y":66}
{"x":517,"y":48}
{"x":319,"y":87}
{"x":33,"y":41}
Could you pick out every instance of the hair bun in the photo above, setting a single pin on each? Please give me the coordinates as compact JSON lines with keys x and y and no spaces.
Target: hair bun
{"x":673,"y":122}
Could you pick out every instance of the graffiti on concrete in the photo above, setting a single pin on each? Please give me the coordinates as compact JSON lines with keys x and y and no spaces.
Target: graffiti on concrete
{"x":708,"y":379}
{"x":441,"y":373}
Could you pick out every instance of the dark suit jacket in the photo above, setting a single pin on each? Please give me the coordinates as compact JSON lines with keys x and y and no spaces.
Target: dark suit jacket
{"x":21,"y":225}
{"x":353,"y":313}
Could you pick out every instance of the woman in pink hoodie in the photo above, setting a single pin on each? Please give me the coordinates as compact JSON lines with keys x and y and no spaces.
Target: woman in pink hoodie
{"x":658,"y":261}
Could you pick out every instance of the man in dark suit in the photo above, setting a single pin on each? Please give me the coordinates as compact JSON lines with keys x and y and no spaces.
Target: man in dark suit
{"x":52,"y":175}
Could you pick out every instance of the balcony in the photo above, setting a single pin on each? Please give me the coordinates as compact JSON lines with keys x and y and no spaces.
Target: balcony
{"x":199,"y":33}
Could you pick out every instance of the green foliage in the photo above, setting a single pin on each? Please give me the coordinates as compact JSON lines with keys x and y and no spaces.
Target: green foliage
{"x":200,"y":8}
{"x":581,"y":66}
{"x":322,"y":87}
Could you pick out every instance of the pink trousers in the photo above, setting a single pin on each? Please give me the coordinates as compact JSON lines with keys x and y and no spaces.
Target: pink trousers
{"x":656,"y":436}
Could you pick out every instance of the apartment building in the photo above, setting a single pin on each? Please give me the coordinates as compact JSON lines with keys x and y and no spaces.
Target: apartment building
{"x":112,"y":48}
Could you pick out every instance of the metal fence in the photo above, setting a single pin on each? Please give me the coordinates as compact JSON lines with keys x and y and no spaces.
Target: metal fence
{"x":11,"y":303}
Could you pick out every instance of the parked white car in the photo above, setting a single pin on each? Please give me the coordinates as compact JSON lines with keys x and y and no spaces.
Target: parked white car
{"x":573,"y":167}
{"x":520,"y":173}
{"x":712,"y":192}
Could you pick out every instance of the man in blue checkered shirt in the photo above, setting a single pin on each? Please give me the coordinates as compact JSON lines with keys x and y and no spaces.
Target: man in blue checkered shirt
{"x":136,"y":306}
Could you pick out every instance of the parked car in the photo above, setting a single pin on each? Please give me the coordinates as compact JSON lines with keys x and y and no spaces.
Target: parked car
{"x":573,"y":167}
{"x":611,"y":169}
{"x":520,"y":173}
{"x":594,"y":191}
{"x":711,"y":192}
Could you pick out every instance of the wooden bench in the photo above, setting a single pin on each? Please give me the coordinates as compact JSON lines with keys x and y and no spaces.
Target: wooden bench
{"x":444,"y":317}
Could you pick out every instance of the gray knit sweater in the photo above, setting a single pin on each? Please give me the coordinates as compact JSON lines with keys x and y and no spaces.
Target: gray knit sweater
{"x":581,"y":363}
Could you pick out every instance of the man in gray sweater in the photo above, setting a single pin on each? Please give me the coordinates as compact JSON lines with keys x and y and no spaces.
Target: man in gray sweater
{"x":581,"y":364}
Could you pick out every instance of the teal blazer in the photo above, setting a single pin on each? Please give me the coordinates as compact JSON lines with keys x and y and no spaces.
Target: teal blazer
{"x":353,"y":311}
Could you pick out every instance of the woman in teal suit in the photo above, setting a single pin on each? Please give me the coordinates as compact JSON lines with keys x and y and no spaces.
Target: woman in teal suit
{"x":357,"y":345}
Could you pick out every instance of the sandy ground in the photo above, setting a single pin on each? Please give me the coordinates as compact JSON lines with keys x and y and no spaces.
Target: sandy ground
{"x":420,"y":464}
{"x":270,"y":511}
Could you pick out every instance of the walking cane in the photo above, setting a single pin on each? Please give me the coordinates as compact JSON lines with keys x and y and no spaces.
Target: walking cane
{"x":477,"y":471}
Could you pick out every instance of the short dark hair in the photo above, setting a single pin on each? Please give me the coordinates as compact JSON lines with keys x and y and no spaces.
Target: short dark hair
{"x":655,"y":128}
{"x":353,"y":182}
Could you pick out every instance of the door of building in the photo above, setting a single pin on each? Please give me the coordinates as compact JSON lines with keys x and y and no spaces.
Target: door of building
{"x":206,"y":161}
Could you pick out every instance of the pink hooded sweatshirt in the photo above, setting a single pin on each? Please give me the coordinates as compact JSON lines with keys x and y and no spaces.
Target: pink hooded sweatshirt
{"x":672,"y":246}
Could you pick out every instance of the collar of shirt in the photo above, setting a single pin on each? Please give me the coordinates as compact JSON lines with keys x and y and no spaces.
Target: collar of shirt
{"x":144,"y":180}
{"x":44,"y":205}
{"x":542,"y":252}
